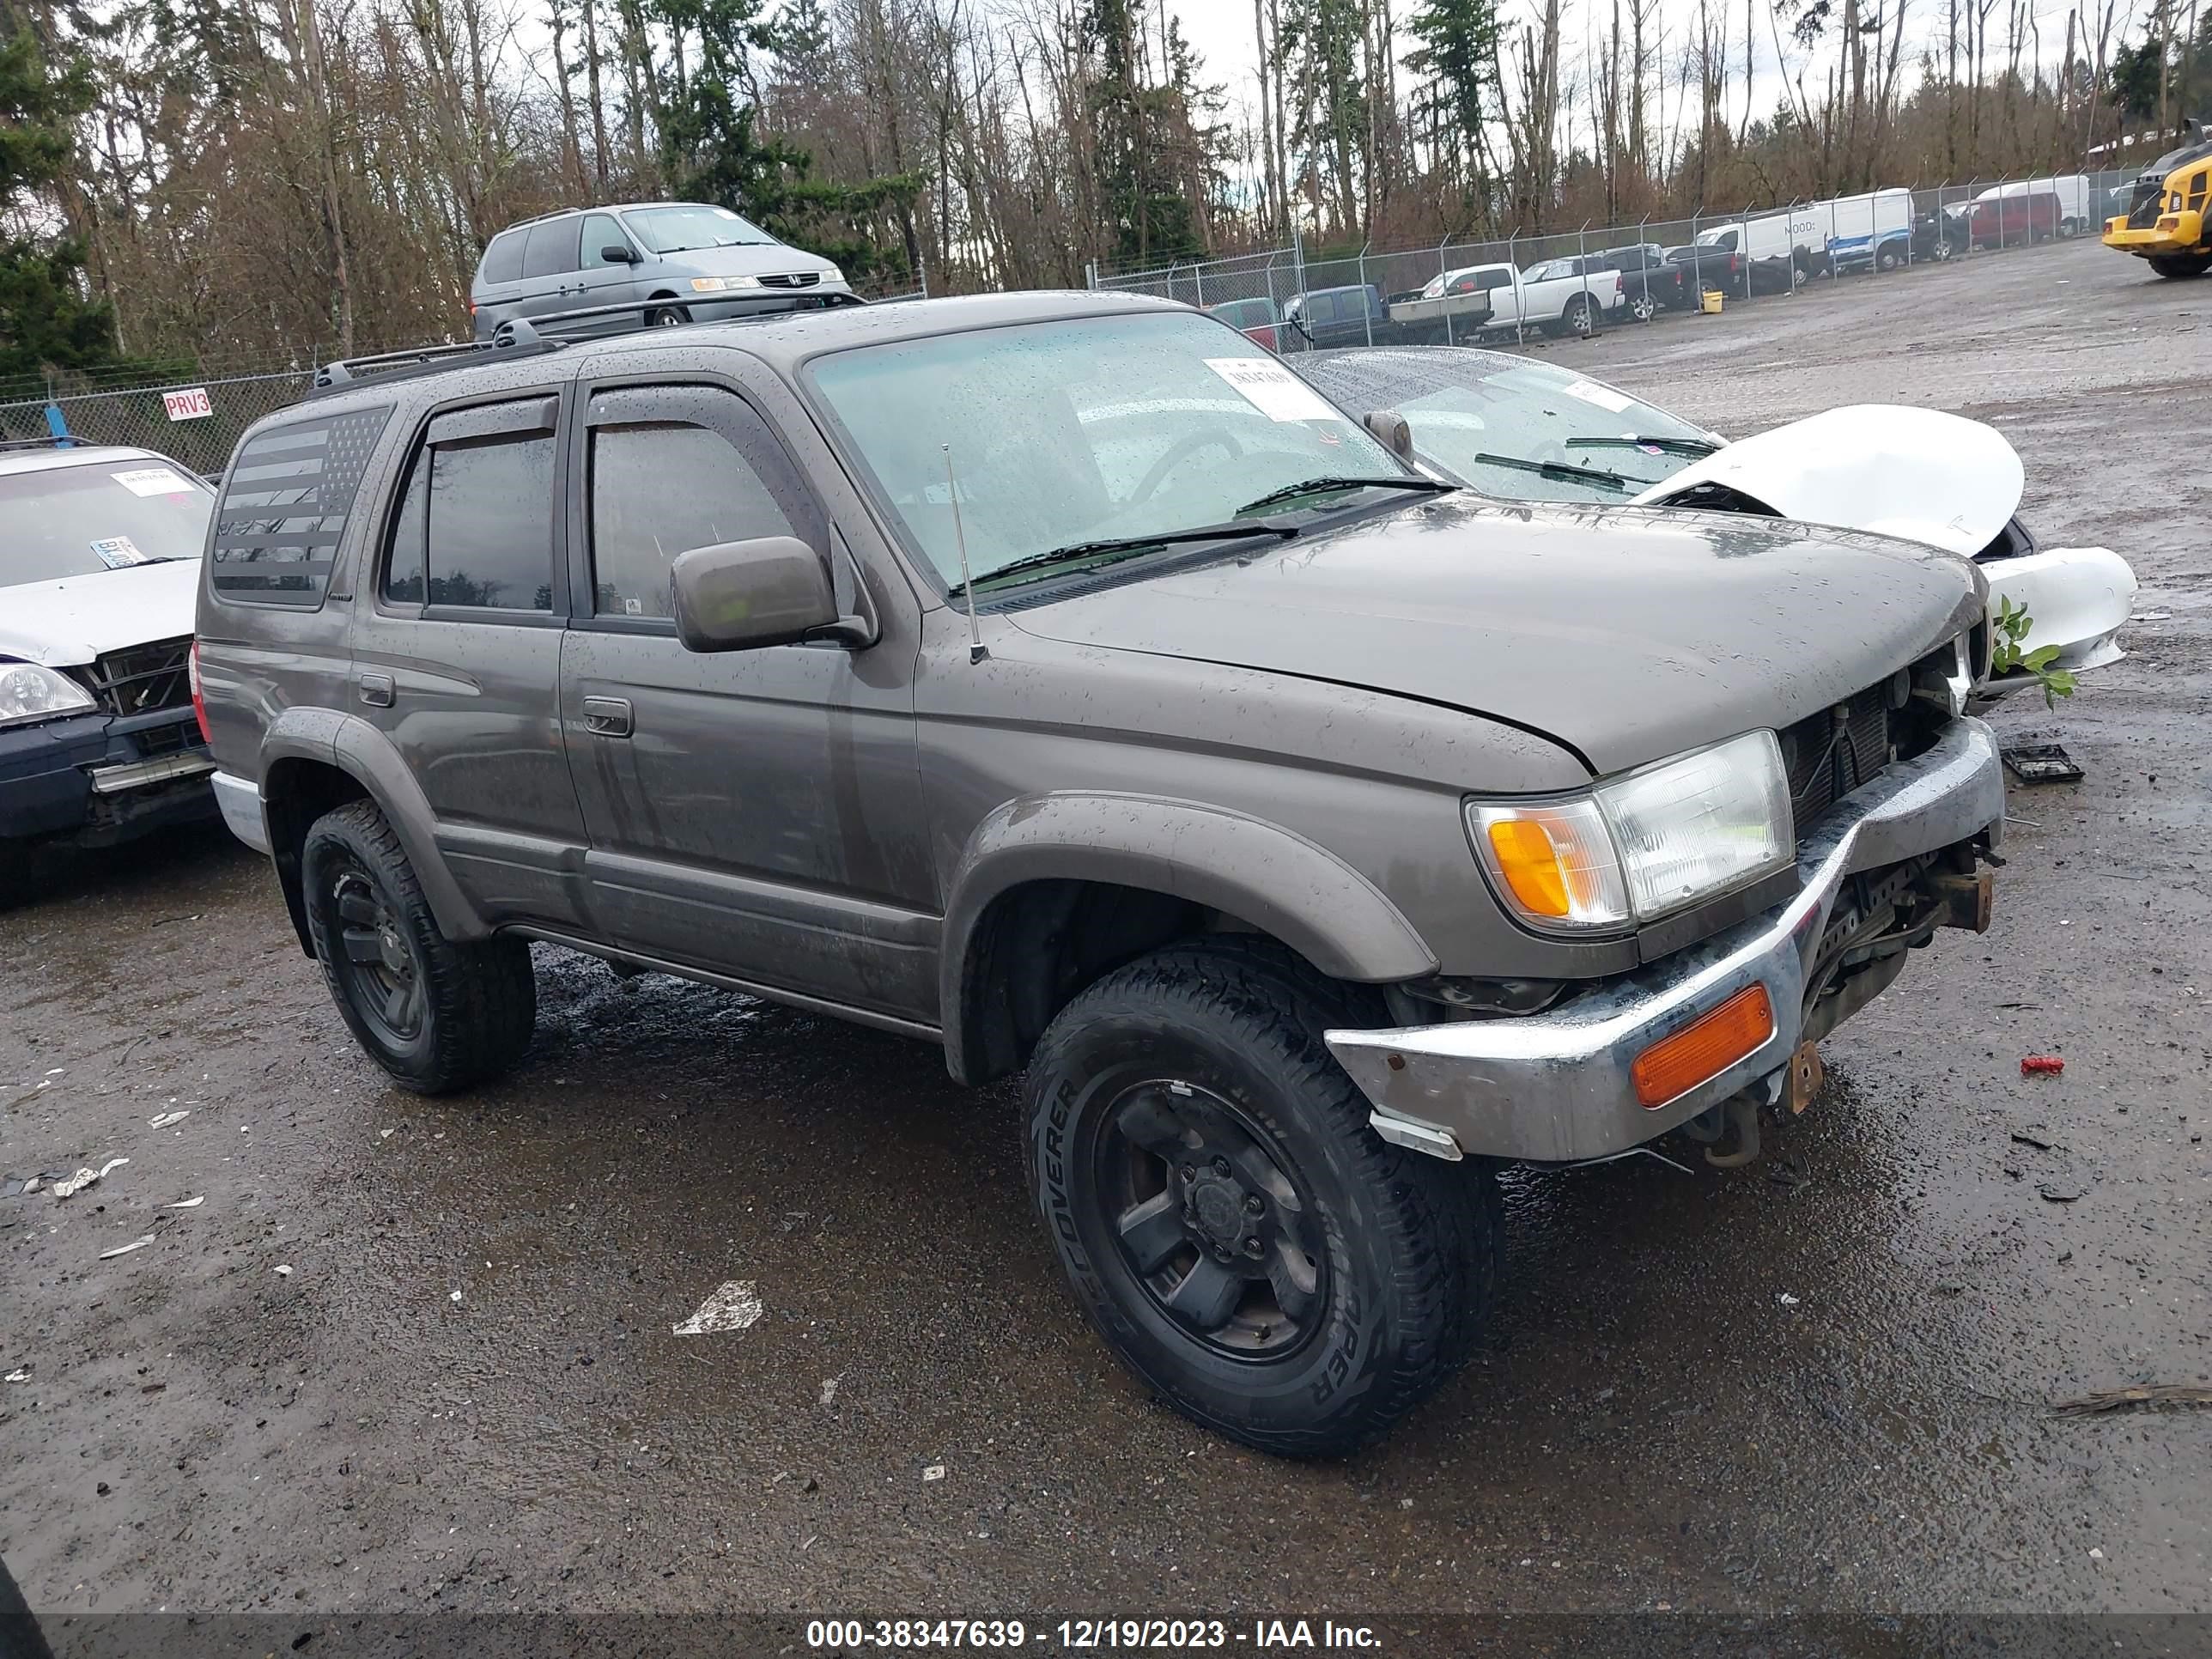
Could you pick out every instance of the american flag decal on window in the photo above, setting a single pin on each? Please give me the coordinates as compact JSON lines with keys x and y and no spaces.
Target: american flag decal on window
{"x":284,"y":506}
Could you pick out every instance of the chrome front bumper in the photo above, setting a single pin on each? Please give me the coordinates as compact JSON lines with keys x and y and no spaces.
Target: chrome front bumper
{"x":1555,"y":1087}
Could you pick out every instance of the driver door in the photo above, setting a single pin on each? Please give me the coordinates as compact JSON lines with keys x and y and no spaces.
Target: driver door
{"x":755,"y":813}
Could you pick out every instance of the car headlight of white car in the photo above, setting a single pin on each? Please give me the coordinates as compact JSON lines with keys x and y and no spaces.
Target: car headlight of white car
{"x":723,"y":284}
{"x":1642,"y":845}
{"x":29,"y":692}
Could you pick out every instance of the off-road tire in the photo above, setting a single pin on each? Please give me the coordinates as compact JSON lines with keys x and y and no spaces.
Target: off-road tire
{"x":2180,"y":265}
{"x":478,"y":1001}
{"x":1408,"y":1267}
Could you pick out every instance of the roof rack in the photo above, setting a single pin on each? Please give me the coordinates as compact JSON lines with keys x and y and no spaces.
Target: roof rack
{"x":52,"y":440}
{"x":517,"y":339}
{"x":530,"y":337}
{"x":663,"y":313}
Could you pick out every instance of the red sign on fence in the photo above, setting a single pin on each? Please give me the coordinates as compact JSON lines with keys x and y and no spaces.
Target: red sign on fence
{"x":190,"y":404}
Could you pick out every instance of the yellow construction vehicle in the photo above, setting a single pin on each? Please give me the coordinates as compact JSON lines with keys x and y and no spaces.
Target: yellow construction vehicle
{"x":2166,"y":221}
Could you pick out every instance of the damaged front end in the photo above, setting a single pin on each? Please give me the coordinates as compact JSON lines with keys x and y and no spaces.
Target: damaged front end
{"x":1627,"y":1060}
{"x":1923,"y":476}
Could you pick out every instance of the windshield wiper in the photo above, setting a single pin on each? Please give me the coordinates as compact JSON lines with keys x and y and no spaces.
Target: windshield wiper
{"x":1115,"y":549}
{"x":1560,"y":469}
{"x":1694,"y":447}
{"x":1318,"y":486}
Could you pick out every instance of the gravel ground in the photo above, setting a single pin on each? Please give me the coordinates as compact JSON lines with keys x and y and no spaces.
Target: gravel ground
{"x":1821,"y":1384}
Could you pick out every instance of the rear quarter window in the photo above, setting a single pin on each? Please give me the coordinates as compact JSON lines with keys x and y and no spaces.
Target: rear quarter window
{"x":286,"y":502}
{"x":502,"y":260}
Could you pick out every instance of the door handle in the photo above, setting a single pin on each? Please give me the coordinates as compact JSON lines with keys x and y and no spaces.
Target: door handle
{"x":607,"y":717}
{"x":376,"y":690}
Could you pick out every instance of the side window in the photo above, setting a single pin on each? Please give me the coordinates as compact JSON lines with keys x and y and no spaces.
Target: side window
{"x":552,"y":247}
{"x":502,"y":260}
{"x":475,"y":524}
{"x":736,"y":487}
{"x":600,"y":232}
{"x":1494,"y":279}
{"x":285,"y":502}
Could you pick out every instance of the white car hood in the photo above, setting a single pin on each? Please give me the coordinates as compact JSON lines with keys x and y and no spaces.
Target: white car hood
{"x":69,"y":621}
{"x":1919,"y":474}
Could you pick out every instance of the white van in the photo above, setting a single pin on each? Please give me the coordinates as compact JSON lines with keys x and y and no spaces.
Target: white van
{"x":1781,"y":249}
{"x":1869,"y":232}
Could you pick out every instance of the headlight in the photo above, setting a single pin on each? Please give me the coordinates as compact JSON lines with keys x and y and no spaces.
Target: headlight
{"x":28,"y":692}
{"x":722,"y":284}
{"x":1645,"y":844}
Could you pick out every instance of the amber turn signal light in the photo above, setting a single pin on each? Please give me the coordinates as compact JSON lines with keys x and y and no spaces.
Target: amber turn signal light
{"x":1704,"y":1049}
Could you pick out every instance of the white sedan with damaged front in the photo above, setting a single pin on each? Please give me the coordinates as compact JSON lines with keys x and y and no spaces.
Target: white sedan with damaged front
{"x":1512,"y":426}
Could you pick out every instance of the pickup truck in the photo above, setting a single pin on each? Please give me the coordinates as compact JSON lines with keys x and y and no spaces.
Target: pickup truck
{"x":1560,"y":296}
{"x":1357,"y":314}
{"x":1059,"y":681}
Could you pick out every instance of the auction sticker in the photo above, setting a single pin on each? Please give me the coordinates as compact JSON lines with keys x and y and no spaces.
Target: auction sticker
{"x":152,"y":481}
{"x":1274,"y":390}
{"x":117,"y":551}
{"x":1603,"y":396}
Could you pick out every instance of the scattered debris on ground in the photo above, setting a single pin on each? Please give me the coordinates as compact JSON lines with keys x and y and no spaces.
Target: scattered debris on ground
{"x":168,"y":1119}
{"x":733,"y":1307}
{"x":84,"y":1178}
{"x":2040,"y":762}
{"x":2040,"y":1066}
{"x":138,"y":1243}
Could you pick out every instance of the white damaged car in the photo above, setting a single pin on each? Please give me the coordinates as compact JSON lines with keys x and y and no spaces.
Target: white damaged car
{"x":99,"y":558}
{"x":1511,"y":427}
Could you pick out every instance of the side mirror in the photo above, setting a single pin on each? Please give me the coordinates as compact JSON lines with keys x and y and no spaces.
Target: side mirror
{"x":739,"y":596}
{"x":618,"y":253}
{"x":1393,"y":429}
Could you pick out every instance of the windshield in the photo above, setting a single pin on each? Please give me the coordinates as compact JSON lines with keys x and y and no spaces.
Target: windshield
{"x":1463,"y":405}
{"x":676,"y":230}
{"x":76,"y":520}
{"x":1095,"y":429}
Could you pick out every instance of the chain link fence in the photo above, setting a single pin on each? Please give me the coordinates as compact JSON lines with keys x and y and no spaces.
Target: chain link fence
{"x":196,"y":422}
{"x":1290,"y":299}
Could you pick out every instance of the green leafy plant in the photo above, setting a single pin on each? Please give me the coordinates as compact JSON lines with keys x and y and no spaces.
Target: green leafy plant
{"x":2005,"y":656}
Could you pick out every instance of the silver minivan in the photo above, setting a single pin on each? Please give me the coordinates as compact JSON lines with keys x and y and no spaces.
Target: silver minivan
{"x":634,"y":255}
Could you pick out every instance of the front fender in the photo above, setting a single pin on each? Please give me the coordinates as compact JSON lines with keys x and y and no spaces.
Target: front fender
{"x":1263,"y":875}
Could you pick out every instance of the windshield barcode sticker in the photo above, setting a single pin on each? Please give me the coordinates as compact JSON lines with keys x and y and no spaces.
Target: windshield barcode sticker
{"x":152,"y":481}
{"x":117,"y":551}
{"x":1272,"y":390}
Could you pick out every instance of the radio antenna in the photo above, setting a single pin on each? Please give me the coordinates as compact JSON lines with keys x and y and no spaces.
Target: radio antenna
{"x":976,"y":651}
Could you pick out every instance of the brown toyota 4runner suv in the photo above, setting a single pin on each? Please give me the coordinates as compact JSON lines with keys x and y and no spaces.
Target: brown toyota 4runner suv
{"x":1058,"y":679}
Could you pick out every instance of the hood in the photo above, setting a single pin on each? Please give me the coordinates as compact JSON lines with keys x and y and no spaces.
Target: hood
{"x":69,"y":621}
{"x":750,"y":259}
{"x":1627,"y":634}
{"x":1916,"y":473}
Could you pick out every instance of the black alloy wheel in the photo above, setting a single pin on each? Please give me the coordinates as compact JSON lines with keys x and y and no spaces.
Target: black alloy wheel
{"x":383,"y":974}
{"x":1207,"y":1219}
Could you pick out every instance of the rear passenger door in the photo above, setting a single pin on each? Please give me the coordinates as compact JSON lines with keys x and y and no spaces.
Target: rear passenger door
{"x":550,"y":279}
{"x":457,"y":651}
{"x":756,"y":813}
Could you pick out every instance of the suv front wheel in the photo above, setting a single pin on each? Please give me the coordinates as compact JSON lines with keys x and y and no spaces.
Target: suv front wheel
{"x":1230,"y":1224}
{"x":437,"y":1015}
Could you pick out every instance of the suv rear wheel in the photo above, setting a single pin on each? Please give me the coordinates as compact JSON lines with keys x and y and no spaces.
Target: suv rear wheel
{"x":1230,"y":1224}
{"x":437,"y":1015}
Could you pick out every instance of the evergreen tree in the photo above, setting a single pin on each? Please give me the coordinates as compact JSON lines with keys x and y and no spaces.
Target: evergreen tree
{"x":46,"y":318}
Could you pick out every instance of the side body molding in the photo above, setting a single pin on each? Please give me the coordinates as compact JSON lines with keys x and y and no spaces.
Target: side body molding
{"x":1263,"y":874}
{"x":366,"y":755}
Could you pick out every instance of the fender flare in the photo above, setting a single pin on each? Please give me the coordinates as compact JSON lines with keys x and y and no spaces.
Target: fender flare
{"x":353,"y":746}
{"x":1264,"y":875}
